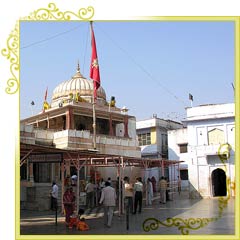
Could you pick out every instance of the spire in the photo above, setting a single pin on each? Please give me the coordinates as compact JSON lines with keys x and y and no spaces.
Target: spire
{"x":78,"y":74}
{"x":78,"y":67}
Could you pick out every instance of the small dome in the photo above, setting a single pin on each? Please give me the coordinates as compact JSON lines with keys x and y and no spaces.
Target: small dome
{"x":78,"y":84}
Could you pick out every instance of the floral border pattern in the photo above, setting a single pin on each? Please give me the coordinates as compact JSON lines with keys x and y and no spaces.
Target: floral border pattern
{"x":11,"y":52}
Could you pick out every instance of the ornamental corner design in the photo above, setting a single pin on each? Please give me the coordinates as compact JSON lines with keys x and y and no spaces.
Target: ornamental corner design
{"x":51,"y":13}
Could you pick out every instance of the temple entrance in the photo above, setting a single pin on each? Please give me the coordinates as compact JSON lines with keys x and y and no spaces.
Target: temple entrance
{"x":219,"y":183}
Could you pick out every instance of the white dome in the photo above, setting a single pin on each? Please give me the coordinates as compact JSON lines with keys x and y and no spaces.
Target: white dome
{"x":78,"y":84}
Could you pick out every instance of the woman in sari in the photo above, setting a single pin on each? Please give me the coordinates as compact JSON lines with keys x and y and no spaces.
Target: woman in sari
{"x":68,"y":202}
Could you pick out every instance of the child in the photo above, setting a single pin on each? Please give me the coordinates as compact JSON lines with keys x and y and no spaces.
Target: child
{"x":82,"y":225}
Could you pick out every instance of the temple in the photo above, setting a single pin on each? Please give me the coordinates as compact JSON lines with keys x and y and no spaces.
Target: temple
{"x":58,"y":143}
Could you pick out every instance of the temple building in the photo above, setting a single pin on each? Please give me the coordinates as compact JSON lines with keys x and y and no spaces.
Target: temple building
{"x":66,"y":124}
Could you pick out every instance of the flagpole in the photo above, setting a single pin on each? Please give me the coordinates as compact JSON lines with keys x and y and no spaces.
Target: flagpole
{"x":93,"y":107}
{"x":95,"y":76}
{"x":94,"y":119}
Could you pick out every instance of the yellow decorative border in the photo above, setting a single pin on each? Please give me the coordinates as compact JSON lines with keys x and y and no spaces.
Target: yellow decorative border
{"x":184,"y":225}
{"x":11,"y":52}
{"x":53,"y":13}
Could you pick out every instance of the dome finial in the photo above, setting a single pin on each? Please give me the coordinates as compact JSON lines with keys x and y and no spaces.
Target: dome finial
{"x":78,"y":67}
{"x":78,"y":74}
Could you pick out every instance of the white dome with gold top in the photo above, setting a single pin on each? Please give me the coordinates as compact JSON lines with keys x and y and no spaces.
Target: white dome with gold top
{"x":80,"y":86}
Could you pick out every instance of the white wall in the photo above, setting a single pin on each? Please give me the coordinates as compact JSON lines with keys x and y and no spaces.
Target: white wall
{"x":204,"y":157}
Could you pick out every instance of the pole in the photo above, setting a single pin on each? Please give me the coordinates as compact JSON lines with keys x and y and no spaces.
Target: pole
{"x":119,"y":193}
{"x":56,"y":209}
{"x":62,"y":176}
{"x":127,"y":212}
{"x":78,"y":188}
{"x":94,"y":123}
{"x":95,"y":182}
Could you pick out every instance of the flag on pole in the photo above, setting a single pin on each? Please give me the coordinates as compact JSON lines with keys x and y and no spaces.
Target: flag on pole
{"x":45,"y":98}
{"x":190,"y":97}
{"x":45,"y":103}
{"x":94,"y":67}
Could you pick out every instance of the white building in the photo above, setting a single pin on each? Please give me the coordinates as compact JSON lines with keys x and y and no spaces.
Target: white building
{"x":152,"y":138}
{"x":177,"y":150}
{"x":210,"y":141}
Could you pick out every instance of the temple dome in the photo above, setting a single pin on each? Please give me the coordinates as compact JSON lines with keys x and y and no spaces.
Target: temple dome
{"x":77,"y":84}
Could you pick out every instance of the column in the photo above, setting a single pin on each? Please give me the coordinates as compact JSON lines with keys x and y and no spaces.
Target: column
{"x":57,"y":170}
{"x":62,"y":192}
{"x":126,"y":126}
{"x":48,"y":122}
{"x":69,"y":119}
{"x":31,"y":177}
{"x":110,"y":125}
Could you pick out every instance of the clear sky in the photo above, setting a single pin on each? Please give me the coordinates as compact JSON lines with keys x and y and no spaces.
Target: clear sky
{"x":150,"y":67}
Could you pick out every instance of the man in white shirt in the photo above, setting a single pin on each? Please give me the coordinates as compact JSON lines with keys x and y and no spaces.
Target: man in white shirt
{"x":128,"y":193}
{"x":138,"y":189}
{"x":90,"y":188}
{"x":54,"y":196}
{"x":108,"y":198}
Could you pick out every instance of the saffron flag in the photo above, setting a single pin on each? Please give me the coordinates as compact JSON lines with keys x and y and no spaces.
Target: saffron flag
{"x":94,"y":68}
{"x":45,"y":104}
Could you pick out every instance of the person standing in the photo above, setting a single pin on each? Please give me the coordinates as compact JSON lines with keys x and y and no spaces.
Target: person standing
{"x":138,"y":189}
{"x":154,"y":182}
{"x":149,"y":191}
{"x":163,"y":189}
{"x":110,"y":181}
{"x":54,"y":196}
{"x":179,"y":184}
{"x":108,"y":199}
{"x":69,"y":204}
{"x":90,"y":187}
{"x":128,"y":193}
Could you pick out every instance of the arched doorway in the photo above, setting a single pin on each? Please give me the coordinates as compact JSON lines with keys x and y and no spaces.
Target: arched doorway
{"x":219,"y":183}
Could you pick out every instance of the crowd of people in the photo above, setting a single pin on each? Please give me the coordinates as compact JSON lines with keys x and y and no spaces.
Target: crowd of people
{"x":106,"y":194}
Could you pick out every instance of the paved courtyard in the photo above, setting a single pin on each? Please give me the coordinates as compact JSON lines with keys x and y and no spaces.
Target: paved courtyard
{"x":202,"y":216}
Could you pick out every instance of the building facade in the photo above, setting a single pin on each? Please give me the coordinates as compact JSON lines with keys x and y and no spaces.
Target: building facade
{"x":208,"y":143}
{"x":178,"y":150}
{"x":153,"y":140}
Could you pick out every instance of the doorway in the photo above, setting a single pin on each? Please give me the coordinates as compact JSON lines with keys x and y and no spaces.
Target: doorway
{"x":219,"y":183}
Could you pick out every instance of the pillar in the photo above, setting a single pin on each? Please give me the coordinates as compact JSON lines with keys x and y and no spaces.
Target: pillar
{"x":62,"y":175}
{"x":69,"y":119}
{"x":57,"y":170}
{"x":48,"y":122}
{"x":110,"y":125}
{"x":126,"y":126}
{"x":31,"y":177}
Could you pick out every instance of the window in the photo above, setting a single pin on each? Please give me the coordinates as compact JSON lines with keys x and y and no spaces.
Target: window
{"x":144,"y":139}
{"x":184,"y":174}
{"x":42,"y":172}
{"x":215,"y":136}
{"x":183,"y":148}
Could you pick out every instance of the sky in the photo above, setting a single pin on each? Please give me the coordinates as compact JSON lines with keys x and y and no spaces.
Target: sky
{"x":150,"y":67}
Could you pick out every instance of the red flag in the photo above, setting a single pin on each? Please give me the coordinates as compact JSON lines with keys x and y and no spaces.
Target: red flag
{"x":45,"y":98}
{"x":94,"y":68}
